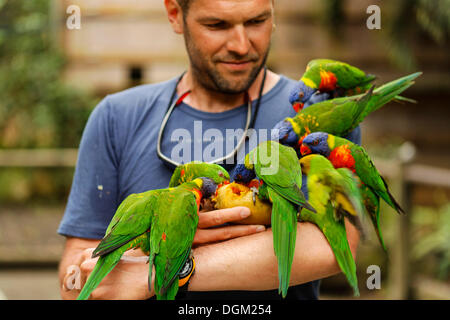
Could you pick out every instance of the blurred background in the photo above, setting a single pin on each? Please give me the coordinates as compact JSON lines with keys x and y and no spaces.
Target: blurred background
{"x":52,"y":76}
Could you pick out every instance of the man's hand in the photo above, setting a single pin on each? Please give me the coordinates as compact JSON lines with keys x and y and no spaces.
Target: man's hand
{"x":211,"y":226}
{"x":128,"y":279}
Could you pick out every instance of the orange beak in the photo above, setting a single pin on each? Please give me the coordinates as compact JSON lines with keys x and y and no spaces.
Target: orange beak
{"x":304,"y":150}
{"x":298,"y":106}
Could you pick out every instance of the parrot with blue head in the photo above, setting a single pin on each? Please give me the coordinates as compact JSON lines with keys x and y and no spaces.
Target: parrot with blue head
{"x":332,"y":76}
{"x":130,"y":226}
{"x":345,"y":154}
{"x":338,"y":116}
{"x":174,"y":223}
{"x":335,"y":196}
{"x":279,"y":172}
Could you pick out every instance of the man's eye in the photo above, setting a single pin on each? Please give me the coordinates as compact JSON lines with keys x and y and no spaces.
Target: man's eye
{"x":256,"y":21}
{"x":217,"y":25}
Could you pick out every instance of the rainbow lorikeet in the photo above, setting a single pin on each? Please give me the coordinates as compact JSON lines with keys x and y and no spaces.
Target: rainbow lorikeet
{"x":326,"y":75}
{"x":174,"y":224}
{"x":128,"y":229}
{"x":338,"y":116}
{"x":196,"y":169}
{"x":277,"y":167}
{"x":371,"y":203}
{"x":345,"y":154}
{"x":130,"y":225}
{"x":334,"y":196}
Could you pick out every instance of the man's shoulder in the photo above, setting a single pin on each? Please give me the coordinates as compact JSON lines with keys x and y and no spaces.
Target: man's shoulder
{"x":281,"y":90}
{"x":142,"y":95}
{"x":283,"y":84}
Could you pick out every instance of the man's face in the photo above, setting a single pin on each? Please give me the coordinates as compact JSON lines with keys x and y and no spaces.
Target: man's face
{"x":228,"y":41}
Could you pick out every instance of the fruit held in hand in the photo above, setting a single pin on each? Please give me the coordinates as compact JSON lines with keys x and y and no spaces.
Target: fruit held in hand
{"x":239,"y":195}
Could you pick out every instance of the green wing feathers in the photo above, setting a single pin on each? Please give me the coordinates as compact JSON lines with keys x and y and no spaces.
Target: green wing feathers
{"x":104,"y":266}
{"x":391,"y":90}
{"x":337,"y":238}
{"x":284,"y":229}
{"x":278,"y":166}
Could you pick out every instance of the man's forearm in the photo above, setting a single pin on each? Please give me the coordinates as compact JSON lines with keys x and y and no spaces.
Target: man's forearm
{"x":244,"y":263}
{"x":249,"y":263}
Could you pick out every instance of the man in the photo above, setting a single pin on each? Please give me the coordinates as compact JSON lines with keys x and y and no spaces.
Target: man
{"x":227,"y":42}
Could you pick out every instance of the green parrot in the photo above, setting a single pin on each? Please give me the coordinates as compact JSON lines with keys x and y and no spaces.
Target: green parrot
{"x":279,"y":172}
{"x":371,"y":203}
{"x":345,"y":154}
{"x":174,"y":224}
{"x":130,"y":225}
{"x":196,"y":169}
{"x":325,"y":75}
{"x":128,"y":229}
{"x":338,"y":116}
{"x":334,"y":196}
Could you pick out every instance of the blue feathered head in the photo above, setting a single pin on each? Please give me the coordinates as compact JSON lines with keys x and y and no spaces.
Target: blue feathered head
{"x":209,"y":187}
{"x":284,"y":134}
{"x":300,"y":94}
{"x":317,"y":143}
{"x":242,"y":174}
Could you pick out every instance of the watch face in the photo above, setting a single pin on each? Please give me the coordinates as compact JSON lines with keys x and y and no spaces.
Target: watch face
{"x":186,"y":269}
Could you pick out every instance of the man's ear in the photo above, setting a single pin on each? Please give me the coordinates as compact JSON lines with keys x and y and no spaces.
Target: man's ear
{"x":175,"y":15}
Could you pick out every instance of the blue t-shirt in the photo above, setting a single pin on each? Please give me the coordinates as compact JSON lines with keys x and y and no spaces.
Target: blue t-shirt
{"x":117,"y":157}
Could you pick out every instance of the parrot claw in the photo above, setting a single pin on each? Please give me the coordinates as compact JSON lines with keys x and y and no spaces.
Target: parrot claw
{"x":254,"y":193}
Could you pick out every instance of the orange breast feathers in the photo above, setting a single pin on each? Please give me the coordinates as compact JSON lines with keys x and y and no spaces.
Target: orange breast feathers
{"x":341,"y":157}
{"x":327,"y":81}
{"x":198,"y":197}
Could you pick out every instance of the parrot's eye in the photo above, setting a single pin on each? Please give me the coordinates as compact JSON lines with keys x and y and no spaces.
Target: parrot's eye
{"x":220,"y":174}
{"x":315,"y":142}
{"x":301,"y":95}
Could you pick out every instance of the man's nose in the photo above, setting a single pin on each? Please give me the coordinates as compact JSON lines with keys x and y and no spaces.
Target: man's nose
{"x":239,"y":42}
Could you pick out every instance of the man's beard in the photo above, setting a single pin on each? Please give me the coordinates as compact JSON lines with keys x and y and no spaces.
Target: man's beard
{"x":211,"y":79}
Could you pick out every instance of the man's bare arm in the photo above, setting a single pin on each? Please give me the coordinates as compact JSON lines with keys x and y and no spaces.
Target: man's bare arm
{"x":243,"y":263}
{"x":128,"y":280}
{"x":249,"y":263}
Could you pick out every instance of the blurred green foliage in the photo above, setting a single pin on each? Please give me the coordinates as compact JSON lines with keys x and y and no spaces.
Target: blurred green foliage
{"x":402,"y":21}
{"x":34,"y":186}
{"x":409,"y":18}
{"x":36,"y":109}
{"x":431,"y":239}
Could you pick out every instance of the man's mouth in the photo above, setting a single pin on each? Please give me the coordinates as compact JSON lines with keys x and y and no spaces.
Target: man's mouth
{"x":236,"y":65}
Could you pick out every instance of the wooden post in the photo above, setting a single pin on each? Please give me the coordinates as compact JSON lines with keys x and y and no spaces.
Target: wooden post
{"x":55,"y":22}
{"x":400,"y":271}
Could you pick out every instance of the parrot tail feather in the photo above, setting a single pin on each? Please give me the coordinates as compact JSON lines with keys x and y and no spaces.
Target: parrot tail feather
{"x":151,"y":258}
{"x":391,"y":200}
{"x":404,"y":99}
{"x":344,"y":256}
{"x":104,"y":266}
{"x":391,"y":90}
{"x":170,"y":293}
{"x":356,"y":221}
{"x":284,"y":228}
